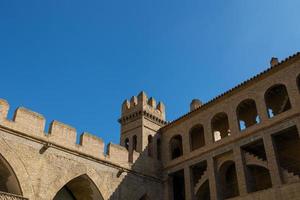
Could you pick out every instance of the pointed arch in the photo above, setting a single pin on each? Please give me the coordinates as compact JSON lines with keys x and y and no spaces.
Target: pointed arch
{"x":65,"y":178}
{"x":18,"y":169}
{"x":79,"y":188}
{"x":9,"y":182}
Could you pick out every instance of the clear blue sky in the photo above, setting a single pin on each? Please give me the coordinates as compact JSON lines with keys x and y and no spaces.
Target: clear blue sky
{"x":76,"y":61}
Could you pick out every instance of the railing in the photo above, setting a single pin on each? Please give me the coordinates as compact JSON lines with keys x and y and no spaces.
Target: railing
{"x":8,"y":196}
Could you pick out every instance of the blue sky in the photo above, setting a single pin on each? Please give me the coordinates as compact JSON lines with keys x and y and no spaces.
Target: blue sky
{"x":76,"y":61}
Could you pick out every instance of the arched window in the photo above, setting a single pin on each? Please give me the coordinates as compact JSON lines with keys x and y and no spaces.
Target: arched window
{"x":8,"y":180}
{"x":150,"y":146}
{"x":126,"y":143}
{"x":220,"y":126}
{"x":228,"y":179}
{"x":176,"y":147}
{"x":277,"y":100}
{"x":158,"y":143}
{"x":134,"y":142}
{"x":81,"y":187}
{"x":197,"y":137}
{"x":247,"y":114}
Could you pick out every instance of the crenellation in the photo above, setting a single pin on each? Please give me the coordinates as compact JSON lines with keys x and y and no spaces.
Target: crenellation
{"x":142,"y":103}
{"x":243,"y":144}
{"x":125,"y":106}
{"x":152,"y":102}
{"x":62,"y":133}
{"x":133,"y":101}
{"x":161,"y":107}
{"x":142,"y":98}
{"x":4,"y":107}
{"x":92,"y":145}
{"x":117,"y":154}
{"x":30,"y":120}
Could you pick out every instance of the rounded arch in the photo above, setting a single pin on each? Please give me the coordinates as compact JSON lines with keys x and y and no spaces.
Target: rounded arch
{"x":203,"y":193}
{"x":176,"y":149}
{"x":277,"y":100}
{"x":220,"y":126}
{"x":89,"y":175}
{"x":259,"y":178}
{"x":196,"y":136}
{"x":247,"y":114}
{"x":150,"y":145}
{"x":17,"y":167}
{"x":228,"y":180}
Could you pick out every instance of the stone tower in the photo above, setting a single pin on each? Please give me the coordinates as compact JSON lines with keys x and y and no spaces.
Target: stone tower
{"x":140,"y":120}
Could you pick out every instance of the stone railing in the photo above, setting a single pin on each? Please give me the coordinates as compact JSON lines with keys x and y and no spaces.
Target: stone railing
{"x":8,"y":196}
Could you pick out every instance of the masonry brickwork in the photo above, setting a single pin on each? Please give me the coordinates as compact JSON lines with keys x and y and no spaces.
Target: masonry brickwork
{"x":244,"y":144}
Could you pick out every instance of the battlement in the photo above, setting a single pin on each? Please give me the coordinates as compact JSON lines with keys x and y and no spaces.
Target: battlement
{"x":32,"y":125}
{"x":142,"y":105}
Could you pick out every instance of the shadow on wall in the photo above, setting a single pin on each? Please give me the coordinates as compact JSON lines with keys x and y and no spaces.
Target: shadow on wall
{"x":143,"y":182}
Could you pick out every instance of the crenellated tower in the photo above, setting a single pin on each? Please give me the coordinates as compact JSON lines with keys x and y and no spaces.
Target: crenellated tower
{"x":140,"y":120}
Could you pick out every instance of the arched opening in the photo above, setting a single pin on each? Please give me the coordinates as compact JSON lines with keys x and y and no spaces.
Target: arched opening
{"x":144,"y":197}
{"x":203,"y":192}
{"x":158,"y":143}
{"x":126,"y":143}
{"x":228,"y":180}
{"x":176,"y":147}
{"x":177,"y":185}
{"x":259,"y":178}
{"x":220,"y":126}
{"x":277,"y":100}
{"x":197,"y":139}
{"x":8,"y":180}
{"x":134,"y":142}
{"x":150,"y":145}
{"x":247,"y":114}
{"x":80,"y":188}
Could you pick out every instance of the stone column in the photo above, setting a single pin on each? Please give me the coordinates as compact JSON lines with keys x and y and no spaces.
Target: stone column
{"x":240,"y":170}
{"x":188,"y":183}
{"x":273,"y":163}
{"x":208,"y":135}
{"x":261,"y":108}
{"x":212,"y":179}
{"x":293,"y":93}
{"x":233,"y":122}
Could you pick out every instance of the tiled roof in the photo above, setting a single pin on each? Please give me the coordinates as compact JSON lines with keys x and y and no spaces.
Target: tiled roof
{"x":250,"y":80}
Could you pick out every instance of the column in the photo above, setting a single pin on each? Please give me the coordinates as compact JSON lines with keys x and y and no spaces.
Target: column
{"x":188,"y":184}
{"x":212,"y":179}
{"x":233,"y":122}
{"x":261,"y":108}
{"x":272,"y":160}
{"x":240,"y":170}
